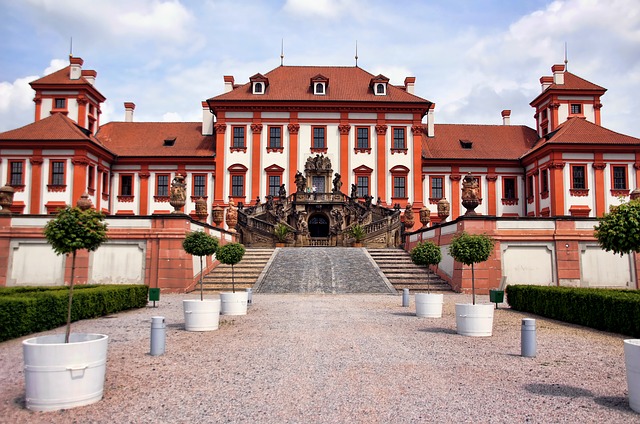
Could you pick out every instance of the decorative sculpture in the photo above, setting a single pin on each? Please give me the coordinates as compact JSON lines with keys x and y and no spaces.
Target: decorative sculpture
{"x":409,"y":218}
{"x":6,"y":199}
{"x":84,"y":202}
{"x":470,"y":199}
{"x":443,"y":209}
{"x":178,"y":195}
{"x":217,"y":215}
{"x":354,"y":191}
{"x":282,"y":192}
{"x":201,"y":209}
{"x":337,"y":184}
{"x":301,"y":182}
{"x":425,"y":216}
{"x":232,"y":216}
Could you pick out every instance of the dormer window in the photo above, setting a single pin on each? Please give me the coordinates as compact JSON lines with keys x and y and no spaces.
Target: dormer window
{"x":169,"y":141}
{"x":466,"y":144}
{"x":319,"y":85}
{"x":379,"y":85}
{"x":259,"y":84}
{"x":319,"y":88}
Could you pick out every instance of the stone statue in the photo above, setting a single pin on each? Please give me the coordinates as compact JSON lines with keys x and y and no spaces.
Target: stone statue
{"x":282,"y":192}
{"x":354,"y":191}
{"x":409,"y":218}
{"x":367,"y":201}
{"x":178,"y":194}
{"x":337,"y":184}
{"x":301,"y":182}
{"x":303,"y":227}
{"x":232,"y":216}
{"x":269,"y":203}
{"x":257,"y":200}
{"x":338,"y":218}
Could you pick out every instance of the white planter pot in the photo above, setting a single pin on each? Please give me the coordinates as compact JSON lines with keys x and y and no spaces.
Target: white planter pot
{"x":61,"y":375}
{"x":632,"y":364}
{"x":474,"y":320}
{"x":234,"y":303}
{"x":201,"y":315}
{"x":429,"y":305}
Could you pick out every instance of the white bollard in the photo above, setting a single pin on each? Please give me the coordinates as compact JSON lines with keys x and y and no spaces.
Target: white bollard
{"x":528,"y":338}
{"x":405,"y":297}
{"x":249,"y":297}
{"x":158,"y":335}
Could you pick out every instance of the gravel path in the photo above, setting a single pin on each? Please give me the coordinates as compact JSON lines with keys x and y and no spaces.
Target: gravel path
{"x":340,"y":358}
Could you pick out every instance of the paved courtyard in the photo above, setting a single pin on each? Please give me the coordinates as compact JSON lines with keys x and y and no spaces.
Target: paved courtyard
{"x":362,"y":358}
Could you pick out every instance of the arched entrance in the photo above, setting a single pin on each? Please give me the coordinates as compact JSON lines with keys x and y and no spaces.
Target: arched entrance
{"x":318,"y":226}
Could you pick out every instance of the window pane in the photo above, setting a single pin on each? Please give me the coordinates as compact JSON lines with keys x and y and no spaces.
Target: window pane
{"x":318,"y":138}
{"x":16,"y":173}
{"x":399,"y":187}
{"x":398,"y":138}
{"x":238,"y":136}
{"x":237,"y":185}
{"x":125,"y":185}
{"x":275,"y":138}
{"x":274,"y":185}
{"x":363,"y":138}
{"x":436,"y":187}
{"x":545,"y":182}
{"x":619,"y":178}
{"x":578,"y":177}
{"x":60,"y":104}
{"x":162,"y":185}
{"x":363,"y":186}
{"x":510,"y":188}
{"x":199,"y":186}
{"x":576,"y":109}
{"x":57,"y":173}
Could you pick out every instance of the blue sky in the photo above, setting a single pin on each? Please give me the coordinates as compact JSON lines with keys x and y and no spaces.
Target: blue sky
{"x":472,"y":58}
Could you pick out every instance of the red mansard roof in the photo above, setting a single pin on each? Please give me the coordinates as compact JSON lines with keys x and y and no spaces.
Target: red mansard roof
{"x":571,"y":83}
{"x":292,"y":83}
{"x":500,"y":142}
{"x":62,"y":78}
{"x":54,"y":128}
{"x":148,"y":139}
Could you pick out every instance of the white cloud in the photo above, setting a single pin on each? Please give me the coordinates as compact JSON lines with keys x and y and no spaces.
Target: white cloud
{"x":330,"y":9}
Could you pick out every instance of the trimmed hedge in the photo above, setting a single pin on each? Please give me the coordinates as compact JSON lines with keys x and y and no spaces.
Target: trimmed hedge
{"x":26,"y":310}
{"x":616,"y":311}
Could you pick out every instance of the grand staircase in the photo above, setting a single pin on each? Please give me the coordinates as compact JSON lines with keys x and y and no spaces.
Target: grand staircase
{"x":246,"y":272}
{"x":402,"y":273}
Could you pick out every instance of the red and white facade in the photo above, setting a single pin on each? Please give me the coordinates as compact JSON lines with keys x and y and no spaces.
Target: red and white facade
{"x":380,"y":137}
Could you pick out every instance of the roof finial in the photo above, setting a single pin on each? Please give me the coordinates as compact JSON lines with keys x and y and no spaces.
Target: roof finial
{"x":566,"y":60}
{"x":71,"y":48}
{"x":356,"y":53}
{"x":282,"y":52}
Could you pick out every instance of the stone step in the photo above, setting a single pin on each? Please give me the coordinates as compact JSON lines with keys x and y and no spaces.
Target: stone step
{"x":245,"y":273}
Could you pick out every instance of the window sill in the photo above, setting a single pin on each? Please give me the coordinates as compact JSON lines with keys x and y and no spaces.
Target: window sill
{"x":275,"y":149}
{"x":434,"y":200}
{"x":17,"y":187}
{"x":91,"y":191}
{"x":509,"y":202}
{"x":579,"y":192}
{"x":618,"y":193}
{"x":318,"y":150}
{"x":530,"y":199}
{"x":56,"y":188}
{"x":544,"y":195}
{"x":195,"y":198}
{"x":394,"y":151}
{"x":238,"y":149}
{"x":366,"y":150}
{"x":105,"y":196}
{"x":125,"y":198}
{"x":161,"y":199}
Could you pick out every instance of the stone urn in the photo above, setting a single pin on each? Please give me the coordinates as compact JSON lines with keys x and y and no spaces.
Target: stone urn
{"x":178,"y":195}
{"x":232,"y":216}
{"x":217,"y":215}
{"x":84,"y":202}
{"x":425,"y":216}
{"x":470,"y":199}
{"x":409,"y":218}
{"x":201,"y":209}
{"x":6,"y":199}
{"x":444,"y":209}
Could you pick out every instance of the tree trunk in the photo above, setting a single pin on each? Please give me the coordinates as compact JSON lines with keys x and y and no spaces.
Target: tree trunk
{"x":201,"y":290}
{"x":473,"y":285}
{"x":73,"y":274}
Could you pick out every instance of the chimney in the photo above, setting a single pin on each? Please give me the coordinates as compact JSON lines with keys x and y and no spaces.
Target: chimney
{"x":129,"y":107}
{"x":546,"y":82}
{"x":90,"y":76}
{"x":207,"y":119}
{"x":228,"y":83}
{"x":506,"y":117}
{"x":431,"y":121}
{"x":76,"y":68}
{"x":409,"y":83}
{"x":558,"y":74}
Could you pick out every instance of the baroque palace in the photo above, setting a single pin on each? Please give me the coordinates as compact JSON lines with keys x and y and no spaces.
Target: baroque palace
{"x":379,"y":141}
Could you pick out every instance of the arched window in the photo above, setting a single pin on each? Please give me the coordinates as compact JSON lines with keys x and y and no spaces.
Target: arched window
{"x":257,"y":88}
{"x":319,"y":88}
{"x":380,"y":88}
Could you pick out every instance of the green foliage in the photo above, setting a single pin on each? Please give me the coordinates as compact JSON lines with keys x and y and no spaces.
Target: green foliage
{"x":471,"y":248}
{"x":426,"y":253}
{"x":74,"y":229}
{"x":357,"y":232}
{"x":26,"y":310}
{"x":603,"y":309}
{"x":281,"y":231}
{"x":199,"y":243}
{"x":619,"y":230}
{"x":231,"y":254}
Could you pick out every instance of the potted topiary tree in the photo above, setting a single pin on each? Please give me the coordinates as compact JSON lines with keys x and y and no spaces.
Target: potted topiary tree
{"x":358,"y":233}
{"x":281,"y":232}
{"x":473,"y":319}
{"x":428,"y":304}
{"x":201,"y":315}
{"x":67,"y":370}
{"x":234,"y":303}
{"x":619,"y":231}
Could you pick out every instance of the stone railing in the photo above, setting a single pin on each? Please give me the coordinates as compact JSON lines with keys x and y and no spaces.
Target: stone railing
{"x":321,"y":242}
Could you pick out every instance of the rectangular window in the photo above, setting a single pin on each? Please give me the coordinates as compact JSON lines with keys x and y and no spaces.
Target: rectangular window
{"x":362,"y":141}
{"x":274,"y":185}
{"x":399,"y":141}
{"x":237,"y":185}
{"x":91,"y":170}
{"x":162,"y":185}
{"x":275,"y":137}
{"x":317,"y":184}
{"x":544,"y":176}
{"x":238,"y":137}
{"x":57,"y":173}
{"x":60,"y":104}
{"x":16,"y":176}
{"x":509,"y":188}
{"x":576,"y":109}
{"x":200,"y":185}
{"x":578,"y":177}
{"x":319,"y":141}
{"x":530,"y":186}
{"x":619,"y":177}
{"x":400,"y":187}
{"x":362,"y":186}
{"x":126,"y":185}
{"x":105,"y":183}
{"x":436,"y":187}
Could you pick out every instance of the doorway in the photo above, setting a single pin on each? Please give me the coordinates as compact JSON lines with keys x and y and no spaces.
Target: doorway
{"x":319,"y":226}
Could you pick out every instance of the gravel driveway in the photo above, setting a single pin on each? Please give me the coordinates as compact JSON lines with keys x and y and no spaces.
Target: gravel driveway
{"x":362,"y":358}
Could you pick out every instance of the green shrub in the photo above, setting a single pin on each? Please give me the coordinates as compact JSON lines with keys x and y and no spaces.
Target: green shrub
{"x":357,"y":232}
{"x":26,"y":310}
{"x":426,"y":253}
{"x":602,"y":309}
{"x":281,"y":231}
{"x":471,"y":249}
{"x":199,"y":243}
{"x":231,"y":254}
